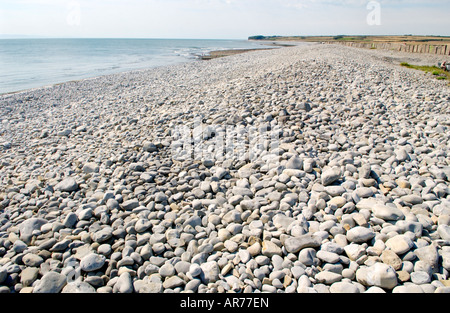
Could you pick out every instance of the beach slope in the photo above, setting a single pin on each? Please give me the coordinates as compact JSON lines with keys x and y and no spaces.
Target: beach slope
{"x":318,"y":168}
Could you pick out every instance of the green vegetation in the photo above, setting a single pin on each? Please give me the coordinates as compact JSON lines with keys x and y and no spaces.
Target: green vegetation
{"x":261,"y":37}
{"x":258,"y":37}
{"x":434,"y":70}
{"x":346,"y":38}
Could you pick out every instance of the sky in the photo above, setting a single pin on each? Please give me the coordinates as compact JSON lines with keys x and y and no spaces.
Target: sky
{"x":221,"y":19}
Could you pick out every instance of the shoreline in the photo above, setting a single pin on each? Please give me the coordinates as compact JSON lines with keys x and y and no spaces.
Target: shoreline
{"x":317,"y":168}
{"x":78,"y":65}
{"x":205,"y":57}
{"x":213,"y":54}
{"x":397,"y":56}
{"x":225,"y":53}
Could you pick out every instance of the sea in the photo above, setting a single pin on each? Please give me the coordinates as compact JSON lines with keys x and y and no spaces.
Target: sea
{"x":32,"y":63}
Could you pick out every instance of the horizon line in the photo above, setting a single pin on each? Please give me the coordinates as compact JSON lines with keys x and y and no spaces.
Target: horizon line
{"x":144,"y":38}
{"x":17,"y":36}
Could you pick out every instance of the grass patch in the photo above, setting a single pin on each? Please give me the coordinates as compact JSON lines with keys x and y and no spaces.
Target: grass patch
{"x":352,"y":38}
{"x":434,"y":70}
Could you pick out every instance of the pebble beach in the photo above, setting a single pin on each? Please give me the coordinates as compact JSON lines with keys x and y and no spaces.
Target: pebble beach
{"x":154,"y":181}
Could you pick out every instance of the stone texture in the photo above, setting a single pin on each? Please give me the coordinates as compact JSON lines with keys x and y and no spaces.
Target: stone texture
{"x":92,"y":262}
{"x":51,"y":282}
{"x":360,"y":234}
{"x":400,"y":244}
{"x":67,"y":185}
{"x":379,"y":275}
{"x":295,"y":244}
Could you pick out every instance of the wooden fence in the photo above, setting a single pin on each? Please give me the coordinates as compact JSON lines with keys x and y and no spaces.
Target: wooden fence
{"x":440,"y":49}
